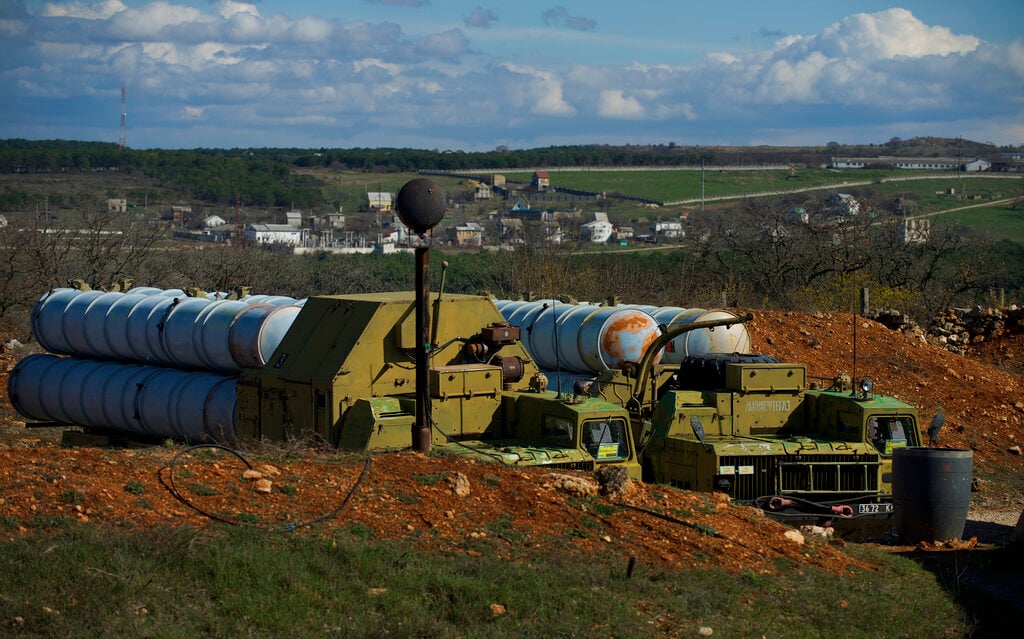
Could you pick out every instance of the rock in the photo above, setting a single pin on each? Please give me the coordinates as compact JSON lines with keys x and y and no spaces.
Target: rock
{"x":705,"y":631}
{"x":264,"y":486}
{"x":572,"y":485}
{"x":460,"y":484}
{"x":1014,"y":450}
{"x":497,"y":609}
{"x":252,"y":475}
{"x":613,"y":480}
{"x":825,"y":532}
{"x":794,"y":536}
{"x":1017,"y":536}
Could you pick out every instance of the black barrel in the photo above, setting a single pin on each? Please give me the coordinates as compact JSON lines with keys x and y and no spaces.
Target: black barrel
{"x":931,"y":490}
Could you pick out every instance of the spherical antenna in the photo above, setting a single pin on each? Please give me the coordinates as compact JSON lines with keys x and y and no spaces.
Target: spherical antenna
{"x":420,"y":205}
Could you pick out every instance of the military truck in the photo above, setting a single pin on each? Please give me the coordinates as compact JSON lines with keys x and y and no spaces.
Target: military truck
{"x":756,"y":429}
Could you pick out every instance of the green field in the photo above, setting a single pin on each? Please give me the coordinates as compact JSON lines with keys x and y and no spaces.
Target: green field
{"x":675,"y":185}
{"x":1000,"y":221}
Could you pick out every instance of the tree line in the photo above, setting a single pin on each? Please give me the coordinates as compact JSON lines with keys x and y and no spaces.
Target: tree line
{"x":758,"y":255}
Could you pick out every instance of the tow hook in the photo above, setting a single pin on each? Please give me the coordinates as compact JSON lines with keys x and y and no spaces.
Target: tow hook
{"x":843,"y":511}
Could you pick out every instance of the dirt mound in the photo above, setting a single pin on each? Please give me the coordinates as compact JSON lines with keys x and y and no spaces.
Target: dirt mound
{"x":981,"y":402}
{"x":442,"y":504}
{"x":425,"y":498}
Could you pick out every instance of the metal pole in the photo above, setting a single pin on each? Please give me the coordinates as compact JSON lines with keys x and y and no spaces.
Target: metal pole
{"x":421,"y":429}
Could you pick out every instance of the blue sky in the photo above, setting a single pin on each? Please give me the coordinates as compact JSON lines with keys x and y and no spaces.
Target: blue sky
{"x":446,"y":74}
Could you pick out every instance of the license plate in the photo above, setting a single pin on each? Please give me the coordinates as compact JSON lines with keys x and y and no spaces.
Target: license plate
{"x":873,"y":509}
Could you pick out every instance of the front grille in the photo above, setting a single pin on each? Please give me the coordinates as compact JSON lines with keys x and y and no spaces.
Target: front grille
{"x":802,"y":475}
{"x":579,"y":465}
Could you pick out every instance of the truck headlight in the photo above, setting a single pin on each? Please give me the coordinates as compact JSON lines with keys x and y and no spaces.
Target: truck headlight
{"x":866,"y":385}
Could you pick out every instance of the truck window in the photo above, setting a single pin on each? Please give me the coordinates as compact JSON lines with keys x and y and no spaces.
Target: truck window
{"x":606,"y":439}
{"x":558,"y":430}
{"x":886,"y":433}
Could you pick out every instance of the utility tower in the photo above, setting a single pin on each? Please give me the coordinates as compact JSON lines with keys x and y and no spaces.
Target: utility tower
{"x":122,"y":141}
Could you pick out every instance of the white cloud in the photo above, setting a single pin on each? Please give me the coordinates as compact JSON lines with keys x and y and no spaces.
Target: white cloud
{"x":152,"y":21}
{"x":449,"y":44}
{"x":229,"y":8}
{"x":889,"y":34}
{"x":97,"y":11}
{"x":240,"y":72}
{"x":481,"y":18}
{"x":612,"y":103}
{"x":541,"y":91}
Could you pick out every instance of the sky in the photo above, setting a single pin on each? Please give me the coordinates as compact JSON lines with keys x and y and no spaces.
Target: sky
{"x":480,"y":75}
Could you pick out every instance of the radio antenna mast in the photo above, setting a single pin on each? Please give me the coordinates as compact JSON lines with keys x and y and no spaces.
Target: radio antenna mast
{"x":122,"y":142}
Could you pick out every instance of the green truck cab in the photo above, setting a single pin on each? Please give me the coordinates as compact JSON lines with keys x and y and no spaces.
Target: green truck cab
{"x":562,"y":431}
{"x":753,"y":428}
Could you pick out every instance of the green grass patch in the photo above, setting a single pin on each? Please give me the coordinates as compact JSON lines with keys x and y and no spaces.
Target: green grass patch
{"x":202,"y":490}
{"x":134,"y":487}
{"x":180,"y":582}
{"x":430,"y":479}
{"x":72,"y":497}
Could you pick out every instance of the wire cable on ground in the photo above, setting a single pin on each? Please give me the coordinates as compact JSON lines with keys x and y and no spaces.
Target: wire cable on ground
{"x":173,"y":489}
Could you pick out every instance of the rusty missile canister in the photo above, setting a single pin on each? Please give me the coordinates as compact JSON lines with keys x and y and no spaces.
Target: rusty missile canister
{"x":610,"y":337}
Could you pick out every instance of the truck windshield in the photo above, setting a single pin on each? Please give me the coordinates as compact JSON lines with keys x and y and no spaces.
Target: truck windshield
{"x":558,"y":430}
{"x":606,"y":439}
{"x":887,"y":432}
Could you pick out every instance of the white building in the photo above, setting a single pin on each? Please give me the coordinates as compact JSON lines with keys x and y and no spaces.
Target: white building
{"x":262,"y":234}
{"x":916,"y":230}
{"x":926,"y":164}
{"x":378,"y":201}
{"x":844,"y":204}
{"x":669,"y":230}
{"x":214,"y":220}
{"x":599,"y":231}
